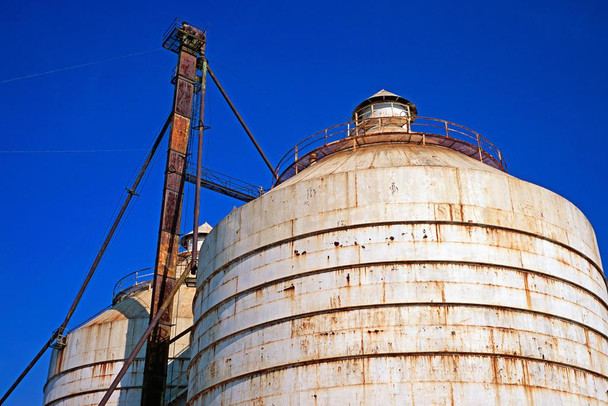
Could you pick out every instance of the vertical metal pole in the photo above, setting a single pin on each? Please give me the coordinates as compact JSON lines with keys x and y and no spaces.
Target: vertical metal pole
{"x":296,"y":160}
{"x":199,"y":163}
{"x":479,"y":147}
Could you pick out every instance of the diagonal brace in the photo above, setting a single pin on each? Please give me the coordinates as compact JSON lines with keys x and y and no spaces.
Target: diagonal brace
{"x":238,"y":116}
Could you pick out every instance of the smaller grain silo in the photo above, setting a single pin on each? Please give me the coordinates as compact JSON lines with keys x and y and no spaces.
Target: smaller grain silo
{"x":81,"y":371}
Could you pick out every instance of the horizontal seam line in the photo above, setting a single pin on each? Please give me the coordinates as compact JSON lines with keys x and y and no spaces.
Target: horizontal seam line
{"x":387,"y":223}
{"x":72,"y":395}
{"x":383,"y":305}
{"x":393,"y":262}
{"x":61,"y":373}
{"x":394,"y":355}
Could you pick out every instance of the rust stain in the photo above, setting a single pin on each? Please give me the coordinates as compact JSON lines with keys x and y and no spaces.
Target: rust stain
{"x":528,"y":299}
{"x":495,"y":371}
{"x":451,"y":395}
{"x":103,"y":369}
{"x":383,"y":291}
{"x":290,"y":290}
{"x":526,"y":383}
{"x":356,"y":192}
{"x":60,"y":359}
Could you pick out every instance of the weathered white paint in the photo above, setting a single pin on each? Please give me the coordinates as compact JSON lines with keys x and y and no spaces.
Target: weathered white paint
{"x":80,"y":373}
{"x":401,"y":274}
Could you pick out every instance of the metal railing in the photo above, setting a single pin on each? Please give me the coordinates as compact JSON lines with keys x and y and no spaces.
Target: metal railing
{"x":224,"y":184}
{"x":421,"y":131}
{"x":130,"y":282}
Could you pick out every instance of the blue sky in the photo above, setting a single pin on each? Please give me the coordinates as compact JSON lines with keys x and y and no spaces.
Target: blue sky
{"x":530,"y":76}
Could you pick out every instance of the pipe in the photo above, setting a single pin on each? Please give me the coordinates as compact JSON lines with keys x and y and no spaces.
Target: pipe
{"x":199,"y":162}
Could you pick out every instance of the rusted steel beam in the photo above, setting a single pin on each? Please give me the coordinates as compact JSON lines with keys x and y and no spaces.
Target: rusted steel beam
{"x":59,"y":332}
{"x":238,"y":116}
{"x":191,"y":43}
{"x":162,"y":310}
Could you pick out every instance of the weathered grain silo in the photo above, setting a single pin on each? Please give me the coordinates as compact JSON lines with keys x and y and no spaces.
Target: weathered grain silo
{"x":83,"y":368}
{"x":396,"y":262}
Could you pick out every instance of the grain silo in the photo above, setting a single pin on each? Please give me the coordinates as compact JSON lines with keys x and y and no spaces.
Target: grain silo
{"x":82,"y":369}
{"x":396,"y":262}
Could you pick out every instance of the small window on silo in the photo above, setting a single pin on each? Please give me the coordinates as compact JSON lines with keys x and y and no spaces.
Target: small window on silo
{"x":365,"y":113}
{"x":400,"y":110}
{"x":383,"y":110}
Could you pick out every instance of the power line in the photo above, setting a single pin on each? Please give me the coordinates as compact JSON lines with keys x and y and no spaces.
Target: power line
{"x":80,"y":65}
{"x":62,"y":151}
{"x":108,"y":239}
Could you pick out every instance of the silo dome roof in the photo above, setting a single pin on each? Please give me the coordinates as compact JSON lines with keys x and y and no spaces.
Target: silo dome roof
{"x":385,"y":95}
{"x":203,"y":229}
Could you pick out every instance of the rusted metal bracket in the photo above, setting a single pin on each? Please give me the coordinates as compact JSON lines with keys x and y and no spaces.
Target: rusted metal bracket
{"x":60,"y":342}
{"x":131,"y":192}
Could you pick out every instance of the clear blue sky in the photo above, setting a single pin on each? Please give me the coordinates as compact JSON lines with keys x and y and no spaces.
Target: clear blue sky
{"x":530,"y":76}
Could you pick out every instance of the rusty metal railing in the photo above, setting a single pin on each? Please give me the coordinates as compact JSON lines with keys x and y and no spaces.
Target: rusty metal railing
{"x":130,"y":282}
{"x":227,"y":185}
{"x":424,"y":131}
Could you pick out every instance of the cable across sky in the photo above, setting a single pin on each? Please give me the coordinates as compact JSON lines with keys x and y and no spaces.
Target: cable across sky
{"x":82,"y":65}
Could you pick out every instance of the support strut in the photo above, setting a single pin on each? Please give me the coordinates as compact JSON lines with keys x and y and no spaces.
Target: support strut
{"x":238,"y":116}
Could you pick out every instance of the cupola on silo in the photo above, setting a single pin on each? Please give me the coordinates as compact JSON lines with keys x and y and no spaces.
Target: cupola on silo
{"x":396,"y":262}
{"x":187,"y":240}
{"x":384,"y":111}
